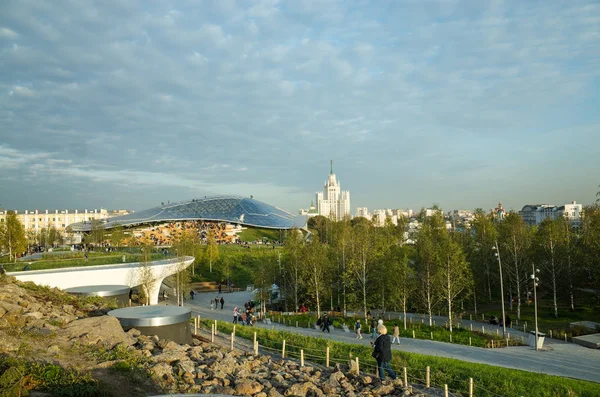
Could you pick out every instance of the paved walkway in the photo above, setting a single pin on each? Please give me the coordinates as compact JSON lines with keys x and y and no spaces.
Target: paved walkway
{"x":559,"y":358}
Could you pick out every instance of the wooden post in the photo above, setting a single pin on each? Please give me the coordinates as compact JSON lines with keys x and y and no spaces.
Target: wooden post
{"x":445,"y":390}
{"x":431,"y":335}
{"x":389,"y":317}
{"x":427,"y":376}
{"x":357,"y":367}
{"x":471,"y":327}
{"x":492,"y":343}
{"x":216,"y":329}
{"x":482,"y":329}
{"x":471,"y":317}
{"x":482,"y":316}
{"x":565,"y":336}
{"x":129,"y":302}
{"x":470,"y":387}
{"x":296,"y":324}
{"x":256,"y":348}
{"x":413,"y":334}
{"x":327,"y":357}
{"x":212,"y":333}
{"x":195,"y":327}
{"x":198,"y":319}
{"x":234,"y":329}
{"x":550,"y":334}
{"x":232,"y":341}
{"x":301,"y":357}
{"x":255,"y":337}
{"x":450,"y":337}
{"x":422,"y":321}
{"x":469,"y":341}
{"x":496,"y":331}
{"x":405,"y":372}
{"x":283,"y":350}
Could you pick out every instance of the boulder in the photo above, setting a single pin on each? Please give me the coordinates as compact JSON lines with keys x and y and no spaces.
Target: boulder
{"x":105,"y":330}
{"x":245,"y":386}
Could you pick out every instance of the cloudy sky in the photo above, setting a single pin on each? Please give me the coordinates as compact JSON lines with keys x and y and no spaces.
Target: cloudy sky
{"x":124,"y":104}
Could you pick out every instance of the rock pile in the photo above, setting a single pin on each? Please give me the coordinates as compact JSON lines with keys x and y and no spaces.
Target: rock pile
{"x":200,"y":368}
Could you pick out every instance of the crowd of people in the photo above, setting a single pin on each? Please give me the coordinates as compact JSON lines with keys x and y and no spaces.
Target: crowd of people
{"x":169,"y":233}
{"x":246,"y":317}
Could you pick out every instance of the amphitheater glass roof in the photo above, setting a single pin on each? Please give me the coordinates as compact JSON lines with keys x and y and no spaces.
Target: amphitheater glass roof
{"x":231,"y":209}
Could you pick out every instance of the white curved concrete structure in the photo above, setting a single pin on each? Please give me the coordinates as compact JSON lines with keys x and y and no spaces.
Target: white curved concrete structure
{"x":131,"y":274}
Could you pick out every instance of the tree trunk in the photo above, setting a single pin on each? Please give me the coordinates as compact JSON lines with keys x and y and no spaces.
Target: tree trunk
{"x":475,"y":301}
{"x":404,"y":310}
{"x":449,"y":289}
{"x":553,"y":279}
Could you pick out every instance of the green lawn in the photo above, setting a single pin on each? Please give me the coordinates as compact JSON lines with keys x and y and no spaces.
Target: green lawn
{"x":95,"y":260}
{"x":421,"y":331}
{"x":489,"y":380}
{"x":256,"y":234}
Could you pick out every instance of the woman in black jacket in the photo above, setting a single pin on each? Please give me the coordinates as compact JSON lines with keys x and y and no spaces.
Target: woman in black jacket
{"x":382,"y":352}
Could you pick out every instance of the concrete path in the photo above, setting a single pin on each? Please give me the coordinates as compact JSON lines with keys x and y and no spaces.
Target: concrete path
{"x":559,"y":358}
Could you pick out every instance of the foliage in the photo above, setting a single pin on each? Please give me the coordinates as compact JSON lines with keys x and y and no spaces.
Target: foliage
{"x":12,"y":236}
{"x":20,"y":376}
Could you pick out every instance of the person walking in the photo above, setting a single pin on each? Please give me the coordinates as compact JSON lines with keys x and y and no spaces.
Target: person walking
{"x":222,"y":302}
{"x":326,"y":323}
{"x":192,"y":293}
{"x":396,"y":334}
{"x":382,"y":352}
{"x":373,"y":328}
{"x":236,"y":313}
{"x":357,"y":328}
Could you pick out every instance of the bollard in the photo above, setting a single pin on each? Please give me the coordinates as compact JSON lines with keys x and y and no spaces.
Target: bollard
{"x":492,"y":343}
{"x":431,"y":335}
{"x":405,"y":376}
{"x":357,"y":367}
{"x":129,"y":302}
{"x":445,"y":390}
{"x":550,"y":334}
{"x":469,"y":341}
{"x":301,"y":358}
{"x":470,"y":387}
{"x":471,"y":317}
{"x":413,"y":334}
{"x":482,"y":329}
{"x":296,"y":324}
{"x":212,"y":333}
{"x":427,"y":376}
{"x":216,"y":329}
{"x":232,"y":341}
{"x":254,"y":336}
{"x":482,"y":316}
{"x":497,"y":332}
{"x":195,"y":327}
{"x":198,"y":319}
{"x":450,"y":338}
{"x":565,"y":336}
{"x":327,"y":357}
{"x":283,"y":350}
{"x":256,"y":348}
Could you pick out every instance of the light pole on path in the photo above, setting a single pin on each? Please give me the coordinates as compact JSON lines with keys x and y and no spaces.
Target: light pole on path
{"x":497,"y":253}
{"x":535,"y":283}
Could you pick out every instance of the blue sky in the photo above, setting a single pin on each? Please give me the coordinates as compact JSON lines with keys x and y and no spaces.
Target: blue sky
{"x":124,"y":104}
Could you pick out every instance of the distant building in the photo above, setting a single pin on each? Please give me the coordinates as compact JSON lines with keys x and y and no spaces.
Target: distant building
{"x":499,"y":212}
{"x":534,"y":214}
{"x":363,"y":212}
{"x":430,"y":211}
{"x":310,"y":212}
{"x":332,"y":202}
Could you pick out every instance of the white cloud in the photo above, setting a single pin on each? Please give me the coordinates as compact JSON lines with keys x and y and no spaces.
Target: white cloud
{"x":7,"y":33}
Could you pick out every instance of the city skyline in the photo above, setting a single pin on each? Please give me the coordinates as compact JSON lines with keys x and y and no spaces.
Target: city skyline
{"x":464,"y":104}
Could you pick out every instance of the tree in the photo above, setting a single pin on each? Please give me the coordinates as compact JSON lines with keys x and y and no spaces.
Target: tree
{"x":97,"y":233}
{"x":549,"y":238}
{"x":484,"y":235}
{"x":341,"y":250}
{"x":212,"y":248}
{"x":12,"y":236}
{"x":514,"y":243}
{"x":428,"y":261}
{"x":117,"y":235}
{"x":145,"y":277}
{"x":455,"y":274}
{"x":322,"y":225}
{"x":360,"y":266}
{"x":404,"y":276}
{"x":264,"y":274}
{"x":292,"y":255}
{"x":316,"y":270}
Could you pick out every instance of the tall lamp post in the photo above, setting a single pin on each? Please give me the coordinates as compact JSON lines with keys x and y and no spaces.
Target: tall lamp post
{"x":535,"y":283}
{"x":497,"y":253}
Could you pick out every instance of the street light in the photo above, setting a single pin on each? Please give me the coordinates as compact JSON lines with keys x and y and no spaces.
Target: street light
{"x":497,"y":253}
{"x":535,"y":283}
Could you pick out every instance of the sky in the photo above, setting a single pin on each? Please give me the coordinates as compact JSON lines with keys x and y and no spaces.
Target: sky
{"x":125,"y":104}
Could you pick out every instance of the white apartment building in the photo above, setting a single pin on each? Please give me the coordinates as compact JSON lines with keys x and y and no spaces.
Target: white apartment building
{"x":332,"y":202}
{"x":363,"y":212}
{"x":534,"y":214}
{"x":60,"y":219}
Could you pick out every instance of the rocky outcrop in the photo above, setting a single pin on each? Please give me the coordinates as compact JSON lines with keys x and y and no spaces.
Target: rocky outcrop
{"x":201,"y":368}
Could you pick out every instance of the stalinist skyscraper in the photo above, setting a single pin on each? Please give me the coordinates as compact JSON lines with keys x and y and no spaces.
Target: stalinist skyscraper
{"x":332,"y":202}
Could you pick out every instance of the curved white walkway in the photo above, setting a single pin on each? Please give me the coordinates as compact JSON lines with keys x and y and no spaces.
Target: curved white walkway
{"x":130,"y":274}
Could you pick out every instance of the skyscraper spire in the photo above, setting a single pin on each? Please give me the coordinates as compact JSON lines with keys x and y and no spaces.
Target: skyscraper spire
{"x":331,"y":164}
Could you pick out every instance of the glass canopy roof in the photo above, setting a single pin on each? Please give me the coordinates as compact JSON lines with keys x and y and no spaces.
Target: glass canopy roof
{"x":231,"y":209}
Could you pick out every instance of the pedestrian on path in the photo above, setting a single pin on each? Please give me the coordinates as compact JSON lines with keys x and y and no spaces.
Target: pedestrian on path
{"x":222,"y":302}
{"x":326,"y":323}
{"x":212,"y":306}
{"x":357,"y":327}
{"x":382,"y":352}
{"x":236,"y":313}
{"x":396,"y":334}
{"x":373,"y":328}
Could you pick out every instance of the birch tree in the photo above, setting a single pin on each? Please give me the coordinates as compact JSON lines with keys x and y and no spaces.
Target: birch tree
{"x":316,"y":268}
{"x":342,"y":234}
{"x":292,"y":255}
{"x":12,"y":236}
{"x":360,"y":266}
{"x":549,"y":237}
